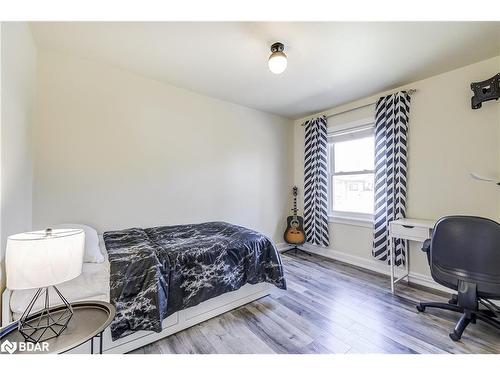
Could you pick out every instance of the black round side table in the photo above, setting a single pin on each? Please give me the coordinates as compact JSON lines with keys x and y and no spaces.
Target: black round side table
{"x":90,"y":319}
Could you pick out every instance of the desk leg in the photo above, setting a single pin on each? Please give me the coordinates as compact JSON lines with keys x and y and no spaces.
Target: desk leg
{"x":407,"y":261}
{"x":391,"y":260}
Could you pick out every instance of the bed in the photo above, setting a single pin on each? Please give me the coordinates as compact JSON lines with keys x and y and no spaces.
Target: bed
{"x":165,"y":279}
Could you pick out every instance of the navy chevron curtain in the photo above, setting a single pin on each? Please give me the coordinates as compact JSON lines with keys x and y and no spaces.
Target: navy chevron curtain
{"x":315,"y":182}
{"x":391,"y":128}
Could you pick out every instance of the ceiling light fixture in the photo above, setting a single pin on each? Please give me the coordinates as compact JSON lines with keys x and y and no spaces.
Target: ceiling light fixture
{"x":277,"y":61}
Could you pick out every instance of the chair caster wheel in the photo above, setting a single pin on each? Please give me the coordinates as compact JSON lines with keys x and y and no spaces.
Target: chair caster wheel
{"x":454,"y":337}
{"x":420,"y":308}
{"x":452,"y":301}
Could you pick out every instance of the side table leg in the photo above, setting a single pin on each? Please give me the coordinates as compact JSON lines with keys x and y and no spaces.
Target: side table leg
{"x":100,"y":343}
{"x":92,"y":345}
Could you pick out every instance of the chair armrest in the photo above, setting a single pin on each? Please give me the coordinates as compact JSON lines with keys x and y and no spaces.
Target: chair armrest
{"x":426,"y":246}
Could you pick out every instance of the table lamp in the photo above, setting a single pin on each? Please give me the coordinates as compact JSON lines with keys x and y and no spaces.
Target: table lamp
{"x":40,"y":260}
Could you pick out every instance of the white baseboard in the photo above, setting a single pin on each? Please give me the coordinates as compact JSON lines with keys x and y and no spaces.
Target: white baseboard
{"x":367,"y":263}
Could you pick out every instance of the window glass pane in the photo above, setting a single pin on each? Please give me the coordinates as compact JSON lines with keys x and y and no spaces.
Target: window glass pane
{"x":353,"y":193}
{"x":354,"y":155}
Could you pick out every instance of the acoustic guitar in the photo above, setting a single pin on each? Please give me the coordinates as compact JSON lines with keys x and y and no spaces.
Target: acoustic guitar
{"x":294,"y":232}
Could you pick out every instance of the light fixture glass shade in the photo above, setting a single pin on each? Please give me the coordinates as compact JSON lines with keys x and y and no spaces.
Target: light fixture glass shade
{"x":277,"y":62}
{"x":44,"y":258}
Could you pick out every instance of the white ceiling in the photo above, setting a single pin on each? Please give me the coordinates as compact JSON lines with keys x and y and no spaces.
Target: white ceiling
{"x":328,"y":63}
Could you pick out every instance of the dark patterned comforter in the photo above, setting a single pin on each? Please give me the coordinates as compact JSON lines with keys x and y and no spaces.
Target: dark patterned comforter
{"x":158,"y":271}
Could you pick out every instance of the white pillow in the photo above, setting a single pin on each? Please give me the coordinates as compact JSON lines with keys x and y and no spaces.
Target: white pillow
{"x":93,"y":252}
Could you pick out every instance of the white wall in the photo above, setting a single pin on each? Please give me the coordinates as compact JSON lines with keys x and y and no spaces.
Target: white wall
{"x":18,"y":85}
{"x":115,"y":150}
{"x":447,"y":140}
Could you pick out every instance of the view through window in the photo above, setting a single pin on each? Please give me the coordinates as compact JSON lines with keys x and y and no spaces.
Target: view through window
{"x":352,"y":173}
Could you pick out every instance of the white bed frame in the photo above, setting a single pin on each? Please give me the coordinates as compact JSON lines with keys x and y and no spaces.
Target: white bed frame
{"x":174,"y":323}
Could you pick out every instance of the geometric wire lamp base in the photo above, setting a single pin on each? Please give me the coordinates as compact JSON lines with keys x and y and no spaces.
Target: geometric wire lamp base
{"x":46,"y":325}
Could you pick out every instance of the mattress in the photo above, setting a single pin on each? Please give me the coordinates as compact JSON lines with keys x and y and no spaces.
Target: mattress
{"x":92,"y":284}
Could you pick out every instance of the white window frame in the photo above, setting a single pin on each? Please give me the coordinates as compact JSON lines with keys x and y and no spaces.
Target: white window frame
{"x":353,"y":130}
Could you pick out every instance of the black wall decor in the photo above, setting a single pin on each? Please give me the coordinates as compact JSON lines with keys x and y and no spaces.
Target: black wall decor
{"x":485,"y":90}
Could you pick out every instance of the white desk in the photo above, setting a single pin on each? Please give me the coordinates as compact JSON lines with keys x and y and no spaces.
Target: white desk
{"x":409,"y":230}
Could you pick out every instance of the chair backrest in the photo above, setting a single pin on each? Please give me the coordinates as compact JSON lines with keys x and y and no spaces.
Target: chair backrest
{"x":467,"y":248}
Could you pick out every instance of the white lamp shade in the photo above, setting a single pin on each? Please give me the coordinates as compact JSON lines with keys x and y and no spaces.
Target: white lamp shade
{"x":37,"y":259}
{"x":277,"y":62}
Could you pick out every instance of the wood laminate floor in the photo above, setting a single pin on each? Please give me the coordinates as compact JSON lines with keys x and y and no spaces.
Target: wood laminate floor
{"x":332,"y":307}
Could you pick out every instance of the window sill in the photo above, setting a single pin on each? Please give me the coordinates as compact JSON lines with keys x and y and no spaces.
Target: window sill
{"x":349,"y":220}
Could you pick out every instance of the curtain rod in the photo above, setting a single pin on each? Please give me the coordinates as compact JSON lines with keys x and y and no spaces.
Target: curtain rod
{"x":410,"y":92}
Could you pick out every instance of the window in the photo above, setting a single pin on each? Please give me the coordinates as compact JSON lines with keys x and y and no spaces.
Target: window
{"x":352,"y":156}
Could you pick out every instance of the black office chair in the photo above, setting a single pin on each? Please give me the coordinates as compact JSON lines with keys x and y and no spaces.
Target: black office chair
{"x":464,"y":255}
